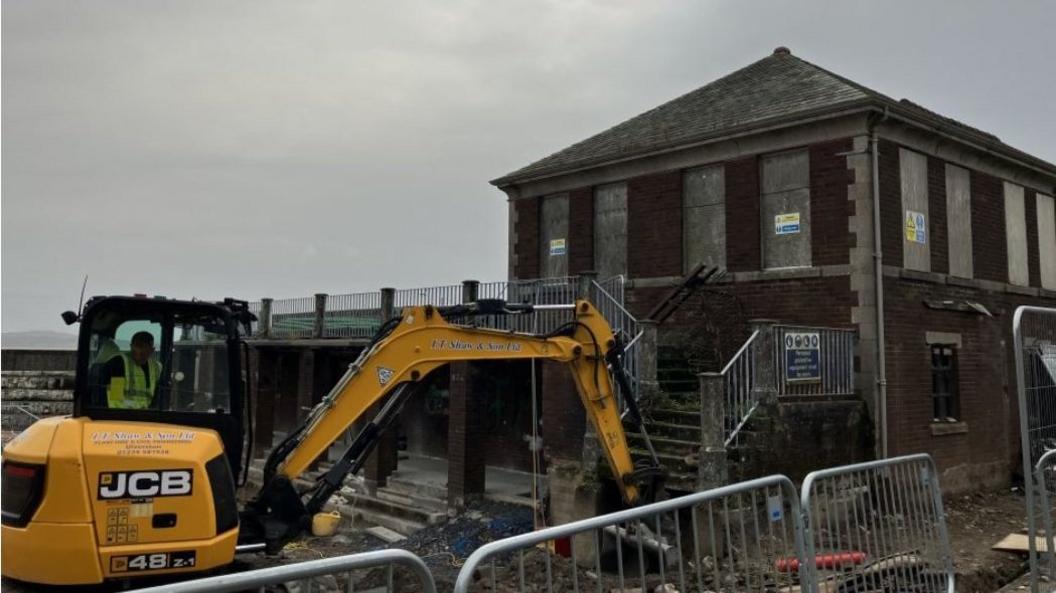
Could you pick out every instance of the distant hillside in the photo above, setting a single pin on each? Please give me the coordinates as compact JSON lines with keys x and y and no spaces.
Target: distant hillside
{"x":38,"y":340}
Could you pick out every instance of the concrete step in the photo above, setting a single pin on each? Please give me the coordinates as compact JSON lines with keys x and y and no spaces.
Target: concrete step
{"x":671,"y":430}
{"x":34,"y":394}
{"x":37,"y":380}
{"x":399,"y":510}
{"x":687,"y":417}
{"x":399,"y":485}
{"x":364,"y":517}
{"x":664,"y":444}
{"x":412,"y":500}
{"x":673,"y":463}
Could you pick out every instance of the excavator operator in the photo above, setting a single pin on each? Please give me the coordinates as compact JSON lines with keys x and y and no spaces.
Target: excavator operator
{"x":132,"y":377}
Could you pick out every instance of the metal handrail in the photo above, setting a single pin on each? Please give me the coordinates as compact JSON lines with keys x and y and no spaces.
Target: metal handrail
{"x":255,"y":579}
{"x":739,"y":352}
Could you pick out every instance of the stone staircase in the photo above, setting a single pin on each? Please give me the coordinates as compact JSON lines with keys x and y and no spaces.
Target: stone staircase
{"x":400,"y":505}
{"x":28,"y":395}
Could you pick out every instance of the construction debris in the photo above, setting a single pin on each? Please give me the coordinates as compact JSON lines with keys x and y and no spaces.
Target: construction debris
{"x":385,"y":534}
{"x":1019,"y":542}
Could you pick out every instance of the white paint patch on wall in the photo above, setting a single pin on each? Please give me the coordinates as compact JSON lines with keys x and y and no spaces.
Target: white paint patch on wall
{"x":1047,"y":240}
{"x":1016,"y":235}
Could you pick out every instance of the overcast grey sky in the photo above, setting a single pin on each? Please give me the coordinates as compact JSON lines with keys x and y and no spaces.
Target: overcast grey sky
{"x":279,"y":149}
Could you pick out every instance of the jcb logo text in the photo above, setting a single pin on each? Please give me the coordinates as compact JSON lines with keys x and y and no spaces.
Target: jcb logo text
{"x":145,"y":484}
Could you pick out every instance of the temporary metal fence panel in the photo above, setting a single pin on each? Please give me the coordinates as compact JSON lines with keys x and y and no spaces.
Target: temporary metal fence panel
{"x":1045,"y":487}
{"x":341,"y":567}
{"x":877,"y":526}
{"x":738,"y":380}
{"x":1034,"y":339}
{"x":742,"y":537}
{"x":293,"y":318}
{"x":355,"y":315}
{"x":814,"y":360}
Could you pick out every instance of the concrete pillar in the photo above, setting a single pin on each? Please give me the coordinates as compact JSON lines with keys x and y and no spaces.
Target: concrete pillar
{"x":470,"y":290}
{"x":382,"y":461}
{"x":712,"y":471}
{"x":764,"y":354}
{"x":465,"y":457}
{"x":319,"y":323}
{"x":263,"y":369}
{"x":585,"y":285}
{"x":264,"y":321}
{"x":388,"y":304}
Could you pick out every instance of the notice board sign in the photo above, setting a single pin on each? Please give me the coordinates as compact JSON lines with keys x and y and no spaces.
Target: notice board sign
{"x":802,"y":357}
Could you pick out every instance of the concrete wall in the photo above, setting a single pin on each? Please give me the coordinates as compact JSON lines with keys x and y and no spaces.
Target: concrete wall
{"x":1046,"y":212}
{"x":39,"y":360}
{"x":610,"y":230}
{"x":704,"y":216}
{"x":958,"y":211}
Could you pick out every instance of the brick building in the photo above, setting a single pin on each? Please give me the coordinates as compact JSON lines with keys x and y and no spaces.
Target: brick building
{"x":772,"y":173}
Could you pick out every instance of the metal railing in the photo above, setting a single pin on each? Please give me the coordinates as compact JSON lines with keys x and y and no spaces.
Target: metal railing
{"x":439,"y":296}
{"x":741,"y":537}
{"x":739,"y":388}
{"x":1034,"y":342}
{"x":293,"y":318}
{"x":356,"y":315}
{"x":877,"y":526}
{"x":834,"y":371}
{"x":608,"y":297}
{"x":305,"y":571}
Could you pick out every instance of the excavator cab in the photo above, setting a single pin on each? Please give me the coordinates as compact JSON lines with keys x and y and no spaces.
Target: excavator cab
{"x":192,"y":375}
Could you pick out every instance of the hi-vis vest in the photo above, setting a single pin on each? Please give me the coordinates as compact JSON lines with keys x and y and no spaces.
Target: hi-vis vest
{"x":133,"y":392}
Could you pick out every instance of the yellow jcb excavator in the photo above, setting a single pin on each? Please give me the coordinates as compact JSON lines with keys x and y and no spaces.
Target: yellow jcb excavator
{"x":130,"y":487}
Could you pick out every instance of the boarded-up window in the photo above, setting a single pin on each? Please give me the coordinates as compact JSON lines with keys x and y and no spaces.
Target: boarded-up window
{"x":916,"y":234}
{"x":959,"y":220}
{"x":610,"y":230}
{"x":553,"y":236}
{"x":1047,"y":240}
{"x":786,"y":209}
{"x":1016,"y":235}
{"x":704,"y":217}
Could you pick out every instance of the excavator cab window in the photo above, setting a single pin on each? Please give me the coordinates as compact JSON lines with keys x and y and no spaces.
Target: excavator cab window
{"x":158,"y":360}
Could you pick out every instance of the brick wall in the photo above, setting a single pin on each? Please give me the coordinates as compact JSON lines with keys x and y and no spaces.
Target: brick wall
{"x":526,"y":249}
{"x":581,"y":230}
{"x":829,"y":206}
{"x":938,"y":230}
{"x":742,"y":215}
{"x":989,"y":248}
{"x":987,"y":452}
{"x":654,"y":225}
{"x":564,"y":419}
{"x":823,"y":301}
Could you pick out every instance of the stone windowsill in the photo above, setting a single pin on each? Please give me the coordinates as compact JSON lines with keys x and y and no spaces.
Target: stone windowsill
{"x":939,"y":429}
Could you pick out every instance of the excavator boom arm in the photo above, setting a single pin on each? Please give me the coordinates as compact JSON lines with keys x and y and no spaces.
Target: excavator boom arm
{"x":423,"y":340}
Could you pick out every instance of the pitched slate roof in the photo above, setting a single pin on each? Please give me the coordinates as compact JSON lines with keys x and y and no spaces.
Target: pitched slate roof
{"x":777,"y":88}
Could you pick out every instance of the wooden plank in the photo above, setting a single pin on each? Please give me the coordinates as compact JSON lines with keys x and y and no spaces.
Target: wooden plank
{"x":1018,"y":542}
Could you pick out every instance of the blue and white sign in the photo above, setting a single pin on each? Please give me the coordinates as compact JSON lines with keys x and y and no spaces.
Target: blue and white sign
{"x":786,"y":224}
{"x":802,"y":357}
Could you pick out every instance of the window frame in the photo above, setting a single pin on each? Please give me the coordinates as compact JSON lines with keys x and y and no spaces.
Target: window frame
{"x":951,"y":370}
